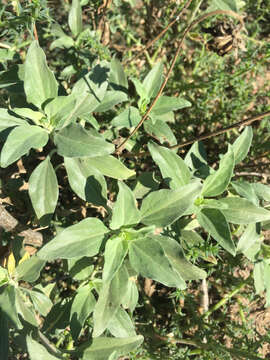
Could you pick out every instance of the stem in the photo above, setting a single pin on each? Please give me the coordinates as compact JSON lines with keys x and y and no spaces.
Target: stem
{"x":51,"y":347}
{"x":224,"y":300}
{"x":222,"y":131}
{"x":160,"y":34}
{"x":195,"y":22}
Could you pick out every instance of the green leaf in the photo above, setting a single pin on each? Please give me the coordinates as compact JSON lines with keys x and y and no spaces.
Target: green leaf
{"x":218,"y":182}
{"x":242,"y":144}
{"x":128,"y":118}
{"x":43,"y":189}
{"x":148,"y":259}
{"x":191,"y":237}
{"x":118,"y":79}
{"x":7,"y":120}
{"x":258,"y":275}
{"x":9,"y":77}
{"x":90,"y":90}
{"x":196,"y":158}
{"x":173,"y":169}
{"x":4,"y":278}
{"x":39,"y":81}
{"x":8,"y":304}
{"x":25,"y":308}
{"x":59,"y":111}
{"x":115,"y":251}
{"x":58,"y":317}
{"x":248,"y":238}
{"x":161,"y":130}
{"x":75,"y":141}
{"x":262,"y":191}
{"x":86,"y":181}
{"x":36,"y":116}
{"x":4,"y":338}
{"x":121,"y":325}
{"x":140,"y":89}
{"x":242,"y":211}
{"x":215,"y":223}
{"x":20,"y":140}
{"x":131,"y":296}
{"x":144,"y":184}
{"x":111,"y":167}
{"x":80,"y":268}
{"x":163,"y":207}
{"x":102,"y":347}
{"x":111,"y":99}
{"x":37,"y":351}
{"x":82,"y":306}
{"x":62,"y":43}
{"x":233,"y":5}
{"x":109,"y":300}
{"x":267,"y":283}
{"x":29,"y":270}
{"x":167,"y":103}
{"x":152,"y":82}
{"x":246,"y":190}
{"x":167,"y":117}
{"x":75,"y":18}
{"x":253,"y":251}
{"x":125,"y":210}
{"x":82,"y":239}
{"x":175,"y":255}
{"x":42,"y":303}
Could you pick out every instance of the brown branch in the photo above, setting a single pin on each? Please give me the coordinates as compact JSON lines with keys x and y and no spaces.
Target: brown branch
{"x":10,"y":224}
{"x":222,"y":131}
{"x":147,"y":46}
{"x":195,"y":22}
{"x":35,"y":31}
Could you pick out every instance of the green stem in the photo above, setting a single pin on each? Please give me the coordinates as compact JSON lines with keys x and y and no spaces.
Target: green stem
{"x":224,"y":300}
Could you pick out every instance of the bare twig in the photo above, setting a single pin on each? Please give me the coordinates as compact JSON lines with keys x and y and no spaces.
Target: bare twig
{"x":222,"y":131}
{"x":180,"y":44}
{"x":5,"y":46}
{"x":205,"y":297}
{"x":35,"y":31}
{"x":150,"y":43}
{"x":9,"y":223}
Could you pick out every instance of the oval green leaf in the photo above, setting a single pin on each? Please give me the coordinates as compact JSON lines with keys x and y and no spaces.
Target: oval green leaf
{"x":39,"y":81}
{"x":218,"y":182}
{"x":242,"y":211}
{"x":215,"y":223}
{"x":43,"y":189}
{"x":125,"y":210}
{"x":242,"y":144}
{"x":75,"y":18}
{"x":173,"y":169}
{"x":111,"y":167}
{"x":149,"y":260}
{"x":163,"y":207}
{"x":86,"y":181}
{"x":82,"y":239}
{"x":75,"y":141}
{"x":101,"y":348}
{"x":176,"y":257}
{"x":20,"y":140}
